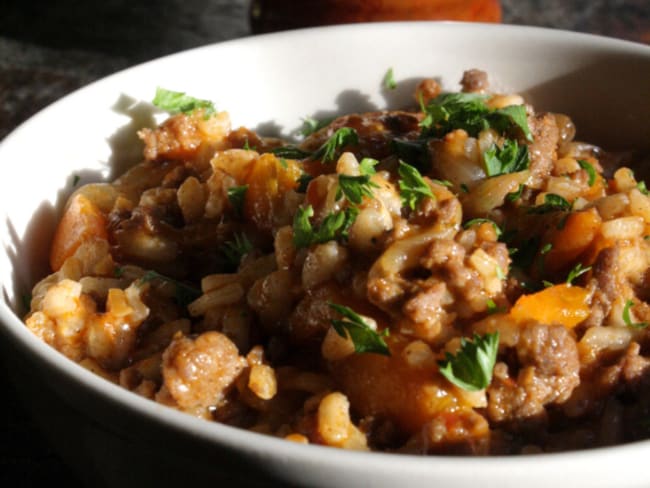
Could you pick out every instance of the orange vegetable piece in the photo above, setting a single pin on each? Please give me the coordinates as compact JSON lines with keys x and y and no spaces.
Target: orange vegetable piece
{"x":81,"y":221}
{"x":578,"y":233}
{"x":559,"y":304}
{"x":269,"y":179}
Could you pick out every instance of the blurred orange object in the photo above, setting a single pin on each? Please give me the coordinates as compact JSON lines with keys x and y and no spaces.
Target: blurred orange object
{"x":275,"y":15}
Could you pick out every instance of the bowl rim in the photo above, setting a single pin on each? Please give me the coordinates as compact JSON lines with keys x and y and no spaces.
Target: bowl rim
{"x":240,"y":439}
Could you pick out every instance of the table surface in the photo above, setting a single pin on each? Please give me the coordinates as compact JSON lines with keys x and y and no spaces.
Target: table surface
{"x":48,"y":49}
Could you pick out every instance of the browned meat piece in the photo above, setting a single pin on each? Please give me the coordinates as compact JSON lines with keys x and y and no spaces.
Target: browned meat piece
{"x":548,"y":372}
{"x":543,"y":149}
{"x":427,"y":90}
{"x":474,"y":80}
{"x":376,"y":131}
{"x":197,"y":373}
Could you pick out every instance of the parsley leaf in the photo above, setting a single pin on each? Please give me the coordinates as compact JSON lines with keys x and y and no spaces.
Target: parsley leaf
{"x":515,"y":195}
{"x":363,"y":337}
{"x":389,"y":80}
{"x":552,"y":203}
{"x":468,"y":111}
{"x":412,"y":187}
{"x":333,"y":226}
{"x":578,"y":270}
{"x":236,"y":197}
{"x":342,"y":137}
{"x":303,"y":182}
{"x":642,"y":188}
{"x":185,"y":294}
{"x":311,"y":125}
{"x":492,"y":307}
{"x":450,"y":111}
{"x":626,"y":317}
{"x":501,"y":119}
{"x":178,"y":102}
{"x":290,"y":152}
{"x":367,"y":166}
{"x":75,"y":180}
{"x":355,"y":187}
{"x":233,"y":251}
{"x":471,"y":367}
{"x":510,"y":158}
{"x":479,"y":220}
{"x":591,"y":172}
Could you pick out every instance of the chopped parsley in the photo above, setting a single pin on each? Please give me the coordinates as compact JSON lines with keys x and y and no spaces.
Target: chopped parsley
{"x":472,"y":366}
{"x":389,"y":80}
{"x":367,"y":166}
{"x":591,"y":172}
{"x":310,"y":125}
{"x":492,"y":307}
{"x":515,"y":195}
{"x":178,"y":102}
{"x":75,"y":180}
{"x":290,"y":152}
{"x":546,"y":248}
{"x":412,"y":187}
{"x":628,"y":320}
{"x":185,"y":294}
{"x":247,"y":146}
{"x":236,"y":197}
{"x":364,"y":338}
{"x":479,"y":221}
{"x":578,"y":270}
{"x":334,"y":226}
{"x":303,"y":182}
{"x":464,"y":188}
{"x":233,"y":251}
{"x":355,"y":187}
{"x":509,"y":158}
{"x":468,"y":111}
{"x":642,"y":188}
{"x":344,"y":136}
{"x":552,"y":203}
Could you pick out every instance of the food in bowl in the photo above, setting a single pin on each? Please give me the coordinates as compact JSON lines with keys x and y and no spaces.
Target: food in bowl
{"x":458,"y":278}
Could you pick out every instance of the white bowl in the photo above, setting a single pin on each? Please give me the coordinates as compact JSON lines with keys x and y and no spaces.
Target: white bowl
{"x":116,"y":438}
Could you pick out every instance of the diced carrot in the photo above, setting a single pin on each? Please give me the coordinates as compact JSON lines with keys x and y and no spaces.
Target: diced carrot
{"x":578,"y":233}
{"x":559,"y":304}
{"x":268,"y":181}
{"x":81,"y":221}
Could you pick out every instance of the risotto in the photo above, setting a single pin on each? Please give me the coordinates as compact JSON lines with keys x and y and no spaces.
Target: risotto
{"x":457,"y":278}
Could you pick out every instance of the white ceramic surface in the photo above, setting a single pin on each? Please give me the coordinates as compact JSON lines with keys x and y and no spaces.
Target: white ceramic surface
{"x":116,"y":438}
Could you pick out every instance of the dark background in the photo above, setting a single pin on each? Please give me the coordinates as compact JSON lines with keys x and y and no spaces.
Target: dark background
{"x":50,"y":48}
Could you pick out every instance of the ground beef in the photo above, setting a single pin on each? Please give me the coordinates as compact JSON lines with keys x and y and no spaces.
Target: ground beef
{"x":546,"y":137}
{"x":548,"y":371}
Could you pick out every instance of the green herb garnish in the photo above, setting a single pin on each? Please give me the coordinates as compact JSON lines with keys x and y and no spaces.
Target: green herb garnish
{"x":290,"y":152}
{"x":591,"y":172}
{"x":578,"y":270}
{"x":236,"y":197}
{"x":552,"y":203}
{"x":412,"y":187}
{"x":628,"y":320}
{"x":303,"y":182}
{"x":364,"y":338}
{"x":344,"y":136}
{"x":472,"y":366}
{"x":510,"y":158}
{"x":479,"y":220}
{"x":334,"y":226}
{"x":468,"y":111}
{"x":492,"y":307}
{"x":515,"y":195}
{"x":178,"y":102}
{"x":389,"y":80}
{"x":311,"y":125}
{"x":75,"y":180}
{"x":355,"y":187}
{"x":367,"y":166}
{"x":642,"y":187}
